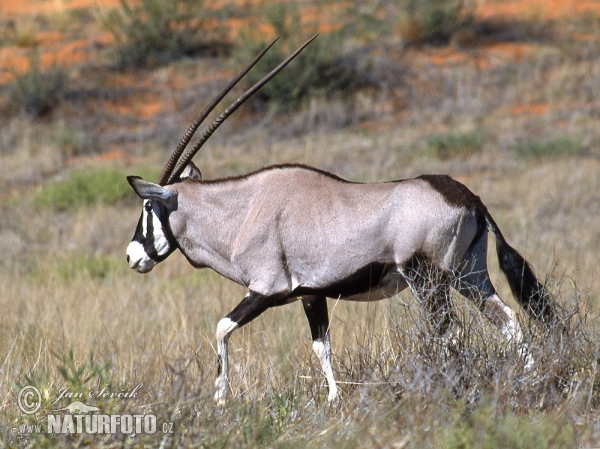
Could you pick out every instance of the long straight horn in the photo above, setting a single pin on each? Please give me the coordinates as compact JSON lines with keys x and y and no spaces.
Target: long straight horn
{"x":166,"y":172}
{"x":191,"y":152}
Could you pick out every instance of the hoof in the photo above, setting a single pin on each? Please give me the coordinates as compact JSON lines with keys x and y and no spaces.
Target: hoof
{"x":333,"y":394}
{"x":220,"y":398}
{"x":526,"y":356}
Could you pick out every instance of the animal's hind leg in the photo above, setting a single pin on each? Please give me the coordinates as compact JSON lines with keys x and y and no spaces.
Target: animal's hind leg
{"x":473,"y":282}
{"x":315,"y":308}
{"x":490,"y":304}
{"x":431,"y":285}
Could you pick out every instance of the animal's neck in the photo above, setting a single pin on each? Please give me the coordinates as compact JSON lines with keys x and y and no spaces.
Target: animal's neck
{"x":207,"y":223}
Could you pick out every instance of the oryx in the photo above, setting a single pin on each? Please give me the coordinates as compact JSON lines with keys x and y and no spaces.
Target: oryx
{"x":289,"y":232}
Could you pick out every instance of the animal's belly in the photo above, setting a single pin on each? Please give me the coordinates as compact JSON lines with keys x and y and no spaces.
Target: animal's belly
{"x":391,"y":284}
{"x":371,"y":283}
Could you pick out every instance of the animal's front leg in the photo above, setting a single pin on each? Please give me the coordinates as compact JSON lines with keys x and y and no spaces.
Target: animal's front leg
{"x":315,"y":308}
{"x":224,"y":329}
{"x":251,"y":306}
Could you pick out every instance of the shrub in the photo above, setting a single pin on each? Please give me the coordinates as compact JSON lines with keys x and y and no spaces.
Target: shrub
{"x":433,"y":21}
{"x":447,"y":146}
{"x":318,"y":70}
{"x":556,"y":148}
{"x":155,"y":32}
{"x":25,"y":32}
{"x":37,"y":92}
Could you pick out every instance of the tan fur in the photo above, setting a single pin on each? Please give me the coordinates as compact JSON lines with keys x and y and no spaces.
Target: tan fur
{"x":320,"y":226}
{"x":286,"y":231}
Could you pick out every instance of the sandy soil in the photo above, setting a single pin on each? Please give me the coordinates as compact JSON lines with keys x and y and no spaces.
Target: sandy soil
{"x":59,"y":48}
{"x":540,"y":9}
{"x":14,"y":9}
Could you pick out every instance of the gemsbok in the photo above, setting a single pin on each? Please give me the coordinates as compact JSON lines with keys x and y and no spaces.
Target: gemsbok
{"x":289,"y":232}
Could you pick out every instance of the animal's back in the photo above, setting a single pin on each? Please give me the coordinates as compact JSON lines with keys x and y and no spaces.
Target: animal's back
{"x":323,"y":221}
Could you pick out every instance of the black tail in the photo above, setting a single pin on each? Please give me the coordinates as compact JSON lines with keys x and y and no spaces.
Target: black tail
{"x":528,"y":291}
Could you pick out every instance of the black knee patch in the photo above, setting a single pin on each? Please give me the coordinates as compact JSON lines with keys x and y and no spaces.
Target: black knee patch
{"x":315,"y":308}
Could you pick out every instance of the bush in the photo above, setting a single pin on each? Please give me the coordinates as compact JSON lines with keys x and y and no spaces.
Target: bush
{"x":447,"y":146}
{"x":318,"y":70}
{"x":24,"y":32}
{"x":433,"y":21}
{"x":36,"y":92}
{"x":556,"y":148}
{"x":155,"y":32}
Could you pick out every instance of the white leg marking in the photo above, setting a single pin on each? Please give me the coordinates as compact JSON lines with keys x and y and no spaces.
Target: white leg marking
{"x":510,"y":328}
{"x":323,"y":351}
{"x":505,"y":318}
{"x":295,"y":283}
{"x":224,"y":329}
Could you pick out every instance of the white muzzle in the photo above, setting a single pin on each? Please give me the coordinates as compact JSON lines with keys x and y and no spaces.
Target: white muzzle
{"x":138,"y":259}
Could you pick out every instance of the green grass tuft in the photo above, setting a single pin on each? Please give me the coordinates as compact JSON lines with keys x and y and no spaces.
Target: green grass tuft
{"x":85,"y":265}
{"x":484,"y":429}
{"x":80,"y":377}
{"x":447,"y":146}
{"x":556,"y":148}
{"x":83,"y":188}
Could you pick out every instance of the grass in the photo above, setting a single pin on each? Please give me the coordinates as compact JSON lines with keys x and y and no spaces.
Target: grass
{"x":87,"y":375}
{"x":85,"y":188}
{"x":403,"y":390}
{"x":544,"y":149}
{"x":398,"y":387}
{"x":84,"y":265}
{"x":452,"y":145}
{"x":75,"y":316}
{"x":484,"y":429}
{"x":73,"y":142}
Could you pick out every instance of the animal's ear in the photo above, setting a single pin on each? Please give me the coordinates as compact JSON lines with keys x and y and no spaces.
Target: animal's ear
{"x":150,"y":191}
{"x":191,"y":171}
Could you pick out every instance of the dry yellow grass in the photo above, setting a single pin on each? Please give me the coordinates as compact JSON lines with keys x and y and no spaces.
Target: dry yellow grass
{"x":158,"y":329}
